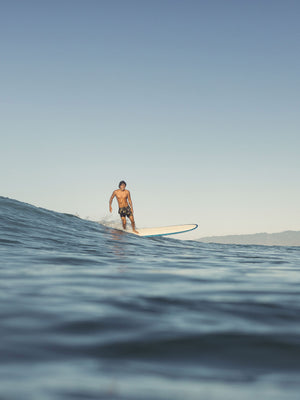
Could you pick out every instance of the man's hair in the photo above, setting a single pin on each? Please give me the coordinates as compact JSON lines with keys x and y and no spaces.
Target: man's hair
{"x":122,"y":183}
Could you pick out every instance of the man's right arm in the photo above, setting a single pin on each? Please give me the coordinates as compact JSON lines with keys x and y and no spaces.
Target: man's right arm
{"x":111,"y":199}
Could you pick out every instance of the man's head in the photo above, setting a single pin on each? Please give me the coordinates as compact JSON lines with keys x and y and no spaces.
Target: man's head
{"x":122,"y":185}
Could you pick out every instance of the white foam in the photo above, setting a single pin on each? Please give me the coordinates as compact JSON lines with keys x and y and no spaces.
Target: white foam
{"x":111,"y":222}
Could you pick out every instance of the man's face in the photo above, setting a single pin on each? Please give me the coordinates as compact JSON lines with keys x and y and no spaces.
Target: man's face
{"x":122,"y":187}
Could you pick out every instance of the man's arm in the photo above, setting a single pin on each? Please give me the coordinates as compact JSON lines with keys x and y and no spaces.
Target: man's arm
{"x":111,"y":199}
{"x":130,"y":201}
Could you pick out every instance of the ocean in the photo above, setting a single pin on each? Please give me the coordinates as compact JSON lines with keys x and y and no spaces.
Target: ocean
{"x":88,"y":312}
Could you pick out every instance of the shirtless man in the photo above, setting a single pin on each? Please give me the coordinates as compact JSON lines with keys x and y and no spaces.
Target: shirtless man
{"x":123,"y":197}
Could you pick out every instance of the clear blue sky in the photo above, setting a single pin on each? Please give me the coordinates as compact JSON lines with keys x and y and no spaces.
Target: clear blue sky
{"x":194,"y":103}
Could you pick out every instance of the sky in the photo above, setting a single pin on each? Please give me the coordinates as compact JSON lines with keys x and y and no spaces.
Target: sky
{"x":195,"y":104}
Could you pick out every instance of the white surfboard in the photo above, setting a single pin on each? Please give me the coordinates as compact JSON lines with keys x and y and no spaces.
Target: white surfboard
{"x":163,"y":230}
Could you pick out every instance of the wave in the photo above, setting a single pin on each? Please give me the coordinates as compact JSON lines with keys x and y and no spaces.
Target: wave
{"x":81,"y":297}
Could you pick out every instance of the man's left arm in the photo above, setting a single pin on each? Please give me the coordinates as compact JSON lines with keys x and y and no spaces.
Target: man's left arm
{"x":130,"y":201}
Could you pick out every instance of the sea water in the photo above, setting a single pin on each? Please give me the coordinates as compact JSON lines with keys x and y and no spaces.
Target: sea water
{"x":88,"y":312}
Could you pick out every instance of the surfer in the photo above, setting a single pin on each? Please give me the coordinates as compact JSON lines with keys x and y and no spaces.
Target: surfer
{"x":125,"y":209}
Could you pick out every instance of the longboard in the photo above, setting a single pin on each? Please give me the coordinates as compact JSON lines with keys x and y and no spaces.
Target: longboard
{"x":163,"y":230}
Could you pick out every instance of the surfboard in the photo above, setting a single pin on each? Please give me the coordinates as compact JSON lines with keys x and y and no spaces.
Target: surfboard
{"x":163,"y":230}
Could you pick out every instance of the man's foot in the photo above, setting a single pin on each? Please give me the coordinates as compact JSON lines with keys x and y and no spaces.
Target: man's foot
{"x":135,"y":231}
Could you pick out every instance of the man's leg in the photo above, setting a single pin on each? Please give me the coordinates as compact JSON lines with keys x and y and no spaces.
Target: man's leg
{"x":133,"y":223}
{"x":123,"y":222}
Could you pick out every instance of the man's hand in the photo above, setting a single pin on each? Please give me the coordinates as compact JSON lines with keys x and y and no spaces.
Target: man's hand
{"x":110,"y":208}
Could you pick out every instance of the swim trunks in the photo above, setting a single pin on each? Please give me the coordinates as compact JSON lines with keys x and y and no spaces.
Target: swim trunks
{"x":125,"y":211}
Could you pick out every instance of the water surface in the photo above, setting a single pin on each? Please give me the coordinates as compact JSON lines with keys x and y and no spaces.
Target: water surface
{"x":88,"y":312}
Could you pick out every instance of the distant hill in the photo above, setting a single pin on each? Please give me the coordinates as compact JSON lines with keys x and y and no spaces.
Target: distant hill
{"x":286,"y":238}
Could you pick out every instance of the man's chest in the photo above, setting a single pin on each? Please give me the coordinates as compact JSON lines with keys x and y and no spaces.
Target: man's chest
{"x":121,"y":196}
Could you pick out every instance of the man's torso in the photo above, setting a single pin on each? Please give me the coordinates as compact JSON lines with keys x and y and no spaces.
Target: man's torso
{"x":122,"y":197}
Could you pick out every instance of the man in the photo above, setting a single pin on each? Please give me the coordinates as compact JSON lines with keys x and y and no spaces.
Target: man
{"x":125,"y":209}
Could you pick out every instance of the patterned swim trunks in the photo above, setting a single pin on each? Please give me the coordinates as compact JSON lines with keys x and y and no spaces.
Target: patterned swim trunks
{"x":125,"y":211}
